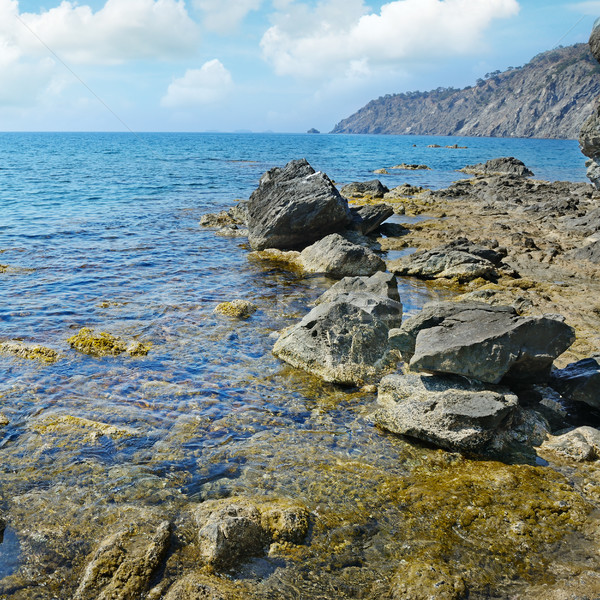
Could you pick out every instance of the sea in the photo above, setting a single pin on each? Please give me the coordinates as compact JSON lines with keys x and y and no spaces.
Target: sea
{"x":101,"y":230}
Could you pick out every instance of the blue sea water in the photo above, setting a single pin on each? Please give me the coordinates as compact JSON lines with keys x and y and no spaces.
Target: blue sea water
{"x":101,"y":231}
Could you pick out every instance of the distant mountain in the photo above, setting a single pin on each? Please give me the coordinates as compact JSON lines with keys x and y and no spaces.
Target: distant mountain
{"x":550,"y":97}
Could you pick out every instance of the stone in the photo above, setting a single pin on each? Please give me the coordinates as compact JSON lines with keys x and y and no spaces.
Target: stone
{"x":579,"y":381}
{"x":359,"y":189}
{"x":594,"y":41}
{"x":124,"y":563}
{"x":463,"y":261}
{"x":589,"y":252}
{"x":380,"y":284}
{"x":581,"y":444}
{"x":343,"y":341}
{"x":366,"y":219}
{"x":336,"y":256}
{"x":3,"y":420}
{"x":450,"y":412}
{"x":412,"y":167}
{"x":105,"y":344}
{"x":239,"y":309}
{"x":428,"y":580}
{"x":293,"y":207}
{"x":492,"y":345}
{"x":232,"y":530}
{"x":220,"y":219}
{"x":499,"y":166}
{"x":29,"y":351}
{"x":199,"y":586}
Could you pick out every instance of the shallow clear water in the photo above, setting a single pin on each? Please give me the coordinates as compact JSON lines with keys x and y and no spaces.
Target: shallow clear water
{"x":101,"y":231}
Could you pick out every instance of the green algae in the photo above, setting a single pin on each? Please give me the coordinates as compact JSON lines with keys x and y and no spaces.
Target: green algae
{"x":105,"y":344}
{"x":29,"y":351}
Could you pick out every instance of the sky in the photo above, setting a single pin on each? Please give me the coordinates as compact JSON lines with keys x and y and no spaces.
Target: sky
{"x":254,"y":65}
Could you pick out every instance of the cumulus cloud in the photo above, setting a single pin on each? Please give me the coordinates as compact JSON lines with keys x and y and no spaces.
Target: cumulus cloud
{"x":225,"y":17}
{"x":121,"y":30}
{"x":207,"y":85}
{"x":337,"y":35}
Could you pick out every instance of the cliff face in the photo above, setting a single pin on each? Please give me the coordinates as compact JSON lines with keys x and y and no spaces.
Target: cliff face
{"x":550,"y":97}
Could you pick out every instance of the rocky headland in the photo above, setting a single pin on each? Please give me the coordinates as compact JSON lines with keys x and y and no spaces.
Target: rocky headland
{"x":549,"y":97}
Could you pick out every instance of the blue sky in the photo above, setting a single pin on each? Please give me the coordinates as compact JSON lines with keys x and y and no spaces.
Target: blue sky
{"x":259,"y":65}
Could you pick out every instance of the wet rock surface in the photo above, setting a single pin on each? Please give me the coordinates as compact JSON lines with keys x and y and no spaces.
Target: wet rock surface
{"x":293,"y":207}
{"x":579,"y":382}
{"x":29,"y":351}
{"x":239,"y":309}
{"x":105,"y":344}
{"x":344,"y":340}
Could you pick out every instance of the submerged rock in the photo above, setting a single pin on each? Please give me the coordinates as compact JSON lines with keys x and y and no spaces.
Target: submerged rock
{"x":105,"y":344}
{"x":499,"y":166}
{"x":360,"y":189}
{"x":239,"y":309}
{"x":293,"y":207}
{"x":235,"y":529}
{"x":124,"y":563}
{"x":428,"y":580}
{"x":344,"y":340}
{"x":450,"y":412}
{"x":380,"y":284}
{"x":29,"y":351}
{"x":199,"y":586}
{"x":579,"y":381}
{"x":336,"y":256}
{"x":483,"y":342}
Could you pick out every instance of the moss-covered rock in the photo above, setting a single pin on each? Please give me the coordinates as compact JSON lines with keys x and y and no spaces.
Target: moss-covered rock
{"x":239,"y":309}
{"x":29,"y":351}
{"x":105,"y":344}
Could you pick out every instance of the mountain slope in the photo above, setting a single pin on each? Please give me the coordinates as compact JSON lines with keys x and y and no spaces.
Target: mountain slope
{"x":549,"y":97}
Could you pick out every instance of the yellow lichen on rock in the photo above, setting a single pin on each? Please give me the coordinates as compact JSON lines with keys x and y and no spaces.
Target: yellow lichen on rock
{"x":239,"y":309}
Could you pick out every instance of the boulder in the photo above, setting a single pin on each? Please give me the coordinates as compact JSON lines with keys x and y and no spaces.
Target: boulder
{"x":105,"y":344}
{"x":487,"y":343}
{"x":460,"y":259}
{"x":359,"y":189}
{"x":590,"y":252}
{"x":239,"y":309}
{"x":499,"y":166}
{"x":581,"y":444}
{"x":293,"y":207}
{"x":336,"y":256}
{"x":366,"y":219}
{"x":450,"y":412}
{"x":594,"y":40}
{"x":579,"y":381}
{"x":235,"y":529}
{"x":381,"y":284}
{"x":343,"y":341}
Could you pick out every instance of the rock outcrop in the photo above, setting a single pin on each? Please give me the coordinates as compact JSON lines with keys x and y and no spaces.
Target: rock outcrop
{"x":589,"y":136}
{"x":550,"y":97}
{"x":499,"y":166}
{"x":365,"y":189}
{"x":293,"y":207}
{"x":343,"y":340}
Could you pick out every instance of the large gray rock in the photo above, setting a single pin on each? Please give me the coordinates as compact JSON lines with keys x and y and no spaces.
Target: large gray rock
{"x":594,"y":40}
{"x":336,"y":256}
{"x":366,"y":219}
{"x":343,"y":341}
{"x":460,"y":259}
{"x":293,"y":207}
{"x":381,"y":284}
{"x":450,"y":412}
{"x":359,"y":189}
{"x":500,"y":166}
{"x":489,"y":343}
{"x":579,"y":381}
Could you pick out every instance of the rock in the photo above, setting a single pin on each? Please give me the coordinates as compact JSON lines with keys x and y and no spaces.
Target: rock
{"x":122,"y":566}
{"x":593,"y":171}
{"x":581,"y":444}
{"x":239,"y":309}
{"x":579,"y":381}
{"x":221,"y":219}
{"x":380,"y":284}
{"x":293,"y":207}
{"x":105,"y":344}
{"x":232,"y":231}
{"x":343,"y":341}
{"x":381,"y":172}
{"x":492,"y":345}
{"x":3,"y":420}
{"x":590,"y":252}
{"x":403,"y":191}
{"x":199,"y":586}
{"x":235,"y":529}
{"x":430,"y":580}
{"x":450,"y":412}
{"x":499,"y":166}
{"x":366,"y":219}
{"x":29,"y":351}
{"x":338,"y":257}
{"x":359,"y":189}
{"x":461,"y":261}
{"x":594,"y":41}
{"x":412,"y":167}
{"x":313,"y":130}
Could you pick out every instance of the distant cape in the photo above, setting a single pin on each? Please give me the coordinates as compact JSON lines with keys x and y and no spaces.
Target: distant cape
{"x":549,"y":97}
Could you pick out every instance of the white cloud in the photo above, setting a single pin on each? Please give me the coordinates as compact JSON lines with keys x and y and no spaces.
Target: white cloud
{"x":207,"y":85}
{"x":122,"y":30}
{"x":339,"y":35}
{"x":225,"y":17}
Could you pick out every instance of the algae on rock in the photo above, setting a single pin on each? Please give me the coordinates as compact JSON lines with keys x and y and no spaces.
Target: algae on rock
{"x":105,"y":344}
